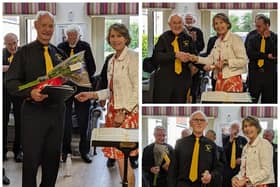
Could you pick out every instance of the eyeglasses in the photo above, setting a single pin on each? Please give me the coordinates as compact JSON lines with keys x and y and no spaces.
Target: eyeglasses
{"x":196,"y":120}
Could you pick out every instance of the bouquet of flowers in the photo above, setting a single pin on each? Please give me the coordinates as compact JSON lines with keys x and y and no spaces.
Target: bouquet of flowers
{"x":72,"y":69}
{"x":160,"y":154}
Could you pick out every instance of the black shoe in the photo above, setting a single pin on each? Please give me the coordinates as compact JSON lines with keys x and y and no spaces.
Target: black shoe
{"x":6,"y":180}
{"x":19,"y":157}
{"x":134,"y":164}
{"x":86,"y":158}
{"x":110,"y":162}
{"x":63,"y":157}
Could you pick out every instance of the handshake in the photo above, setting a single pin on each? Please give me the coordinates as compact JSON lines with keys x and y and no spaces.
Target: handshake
{"x":185,"y":57}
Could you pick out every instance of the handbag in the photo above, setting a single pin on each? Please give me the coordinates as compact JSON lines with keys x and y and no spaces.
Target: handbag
{"x":121,"y":114}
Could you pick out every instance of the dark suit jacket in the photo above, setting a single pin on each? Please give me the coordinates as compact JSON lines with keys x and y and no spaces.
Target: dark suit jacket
{"x":164,"y":58}
{"x":148,"y":162}
{"x":199,"y":43}
{"x":28,"y":65}
{"x":240,"y":143}
{"x":178,"y":175}
{"x":254,"y":54}
{"x":275,"y":157}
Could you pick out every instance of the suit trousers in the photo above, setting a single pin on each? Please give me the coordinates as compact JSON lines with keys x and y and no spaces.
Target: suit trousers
{"x":42,"y":137}
{"x":8,"y":100}
{"x":82,"y":112}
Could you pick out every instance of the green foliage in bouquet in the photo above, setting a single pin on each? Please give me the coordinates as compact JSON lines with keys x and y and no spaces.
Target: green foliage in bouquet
{"x":73,"y":69}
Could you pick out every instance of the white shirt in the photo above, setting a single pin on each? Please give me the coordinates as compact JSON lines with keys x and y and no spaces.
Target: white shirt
{"x":257,"y":162}
{"x":232,"y":50}
{"x":125,"y":80}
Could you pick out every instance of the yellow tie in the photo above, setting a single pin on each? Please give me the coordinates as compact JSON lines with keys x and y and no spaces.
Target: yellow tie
{"x":194,"y":165}
{"x":48,"y":60}
{"x":233,"y":155}
{"x":72,"y":52}
{"x":262,"y":50}
{"x":10,"y":59}
{"x":178,"y":64}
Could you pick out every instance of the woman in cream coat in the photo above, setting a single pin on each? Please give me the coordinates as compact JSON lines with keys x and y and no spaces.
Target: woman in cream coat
{"x":256,"y":168}
{"x":228,"y":57}
{"x":122,"y":91}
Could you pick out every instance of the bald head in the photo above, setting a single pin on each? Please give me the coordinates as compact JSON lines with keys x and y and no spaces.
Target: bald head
{"x":11,"y":42}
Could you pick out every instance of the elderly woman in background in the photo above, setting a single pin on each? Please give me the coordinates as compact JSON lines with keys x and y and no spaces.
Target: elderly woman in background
{"x":256,"y":161}
{"x":228,"y":57}
{"x":122,"y":91}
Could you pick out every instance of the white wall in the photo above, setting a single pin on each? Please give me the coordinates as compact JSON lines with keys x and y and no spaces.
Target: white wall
{"x":225,"y":116}
{"x":189,"y":8}
{"x":78,"y":14}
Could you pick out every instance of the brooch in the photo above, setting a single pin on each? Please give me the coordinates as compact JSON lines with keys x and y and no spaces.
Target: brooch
{"x":58,"y":56}
{"x":185,"y":43}
{"x":208,"y":148}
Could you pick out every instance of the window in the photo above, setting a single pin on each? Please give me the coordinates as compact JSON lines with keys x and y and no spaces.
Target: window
{"x":31,"y":33}
{"x":156,"y":20}
{"x":175,"y":125}
{"x":10,"y":25}
{"x":241,"y":21}
{"x":133,"y":29}
{"x":275,"y":128}
{"x":152,"y":123}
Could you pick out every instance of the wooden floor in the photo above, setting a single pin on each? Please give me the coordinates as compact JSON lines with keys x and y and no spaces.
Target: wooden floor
{"x":95,"y":174}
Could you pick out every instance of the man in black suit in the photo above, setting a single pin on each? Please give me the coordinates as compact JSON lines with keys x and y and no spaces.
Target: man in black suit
{"x":211,"y":135}
{"x":269,"y":135}
{"x":173,"y":79}
{"x":72,"y":46}
{"x":150,"y":169}
{"x":262,"y":53}
{"x":233,"y":146}
{"x":195,"y":161}
{"x":197,"y":37}
{"x":42,"y":118}
{"x":11,"y":43}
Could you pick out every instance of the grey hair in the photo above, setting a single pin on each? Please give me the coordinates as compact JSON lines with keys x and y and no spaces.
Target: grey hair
{"x":175,"y":14}
{"x":269,"y":130}
{"x":43,"y":13}
{"x":73,"y":28}
{"x":235,"y":122}
{"x":199,"y":112}
{"x":194,"y":19}
{"x":9,"y":35}
{"x":211,"y":131}
{"x":157,"y":128}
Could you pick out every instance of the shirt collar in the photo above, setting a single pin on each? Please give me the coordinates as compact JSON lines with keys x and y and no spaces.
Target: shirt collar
{"x":256,"y":141}
{"x":123,"y":54}
{"x":226,"y":36}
